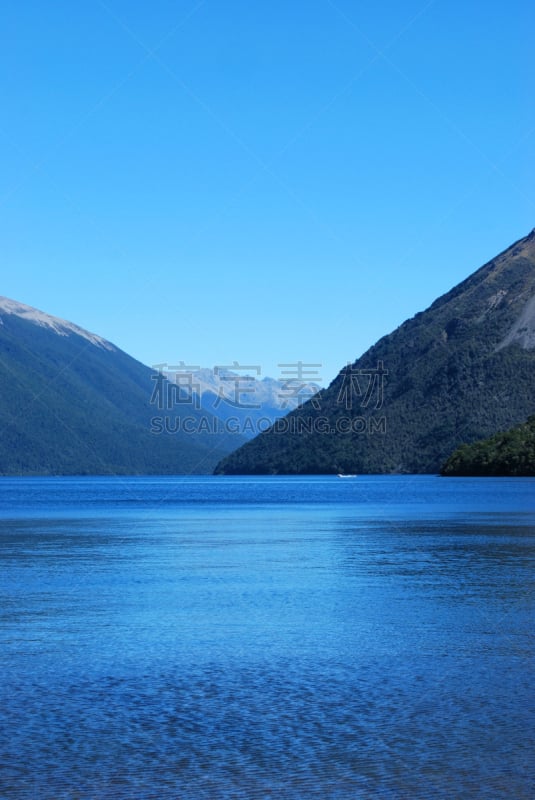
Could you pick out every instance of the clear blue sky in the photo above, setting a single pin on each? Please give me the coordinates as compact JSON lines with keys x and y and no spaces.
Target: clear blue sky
{"x":260,"y":182}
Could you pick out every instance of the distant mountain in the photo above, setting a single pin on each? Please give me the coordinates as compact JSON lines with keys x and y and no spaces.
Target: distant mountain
{"x":458,"y":372}
{"x":507,"y":454}
{"x":244,"y":402}
{"x":73,"y":403}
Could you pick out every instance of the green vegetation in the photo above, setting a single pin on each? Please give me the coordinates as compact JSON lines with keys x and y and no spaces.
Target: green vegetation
{"x":511,"y":453}
{"x":70,"y":407}
{"x":458,"y":372}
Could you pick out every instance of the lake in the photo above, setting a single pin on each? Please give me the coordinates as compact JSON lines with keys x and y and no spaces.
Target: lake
{"x":267,"y":637}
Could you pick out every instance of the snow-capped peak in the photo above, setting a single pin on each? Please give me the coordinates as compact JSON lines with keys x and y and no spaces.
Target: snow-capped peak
{"x":60,"y":326}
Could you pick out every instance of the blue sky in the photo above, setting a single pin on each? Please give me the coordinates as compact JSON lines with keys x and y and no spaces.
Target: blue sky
{"x":260,"y":182}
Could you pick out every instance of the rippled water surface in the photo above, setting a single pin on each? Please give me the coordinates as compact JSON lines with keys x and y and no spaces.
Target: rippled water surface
{"x":285,"y":638}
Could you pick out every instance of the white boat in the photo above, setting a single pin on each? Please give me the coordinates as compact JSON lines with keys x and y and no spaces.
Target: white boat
{"x":341,"y":475}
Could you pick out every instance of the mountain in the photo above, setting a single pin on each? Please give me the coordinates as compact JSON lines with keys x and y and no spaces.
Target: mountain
{"x":245,"y":403}
{"x":511,"y":453}
{"x":73,"y":403}
{"x":455,"y":373}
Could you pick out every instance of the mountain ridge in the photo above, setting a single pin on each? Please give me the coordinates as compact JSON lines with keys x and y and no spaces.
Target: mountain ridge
{"x":458,"y":371}
{"x":60,"y":326}
{"x":73,"y":403}
{"x":243,"y":402}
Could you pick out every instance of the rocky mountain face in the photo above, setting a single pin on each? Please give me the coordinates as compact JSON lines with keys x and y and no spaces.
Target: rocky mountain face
{"x":458,"y":372}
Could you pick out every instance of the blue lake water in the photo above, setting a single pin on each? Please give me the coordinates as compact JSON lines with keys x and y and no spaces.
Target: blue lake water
{"x":199,"y":637}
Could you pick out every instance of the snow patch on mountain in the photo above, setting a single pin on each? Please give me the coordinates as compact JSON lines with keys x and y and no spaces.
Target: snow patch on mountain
{"x":244,"y":391}
{"x":60,"y":326}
